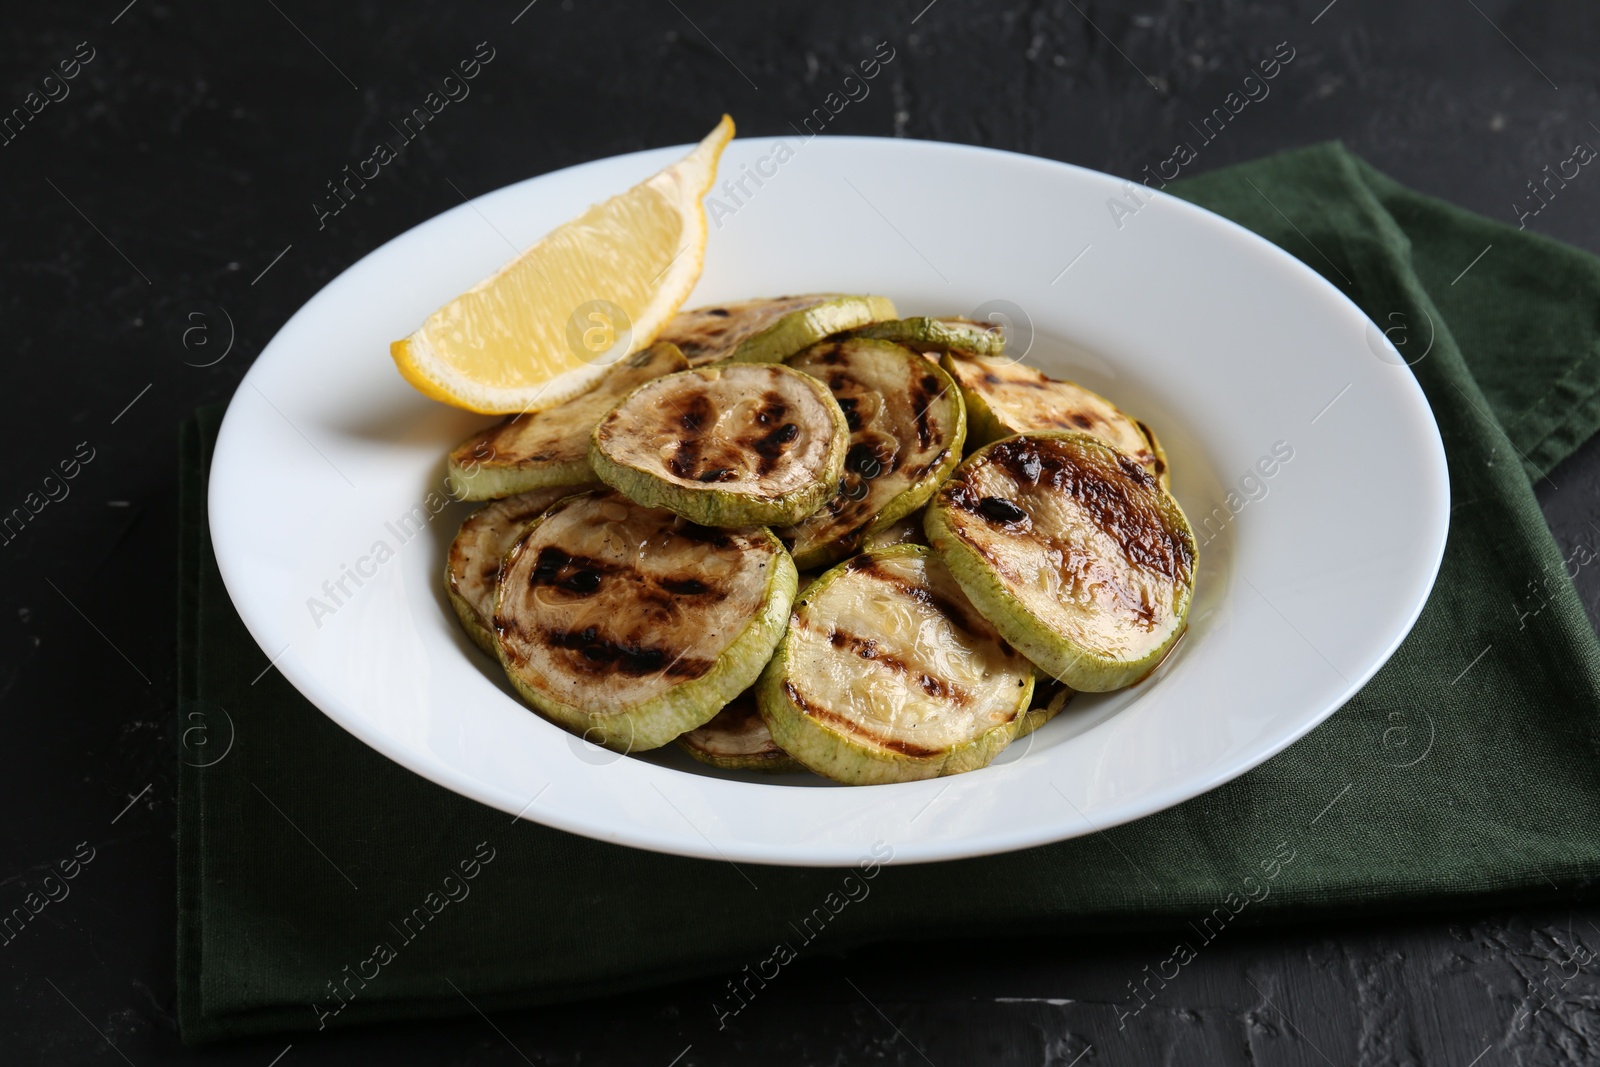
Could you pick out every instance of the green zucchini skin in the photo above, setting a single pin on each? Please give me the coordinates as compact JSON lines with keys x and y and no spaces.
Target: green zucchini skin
{"x":1158,"y":464}
{"x":823,"y":645}
{"x":939,"y":335}
{"x":1016,"y":509}
{"x":629,"y":627}
{"x":737,"y":740}
{"x":907,"y":427}
{"x":1050,"y":698}
{"x":770,"y":330}
{"x":730,"y":445}
{"x":472,"y":565}
{"x":903,"y":531}
{"x":550,"y":448}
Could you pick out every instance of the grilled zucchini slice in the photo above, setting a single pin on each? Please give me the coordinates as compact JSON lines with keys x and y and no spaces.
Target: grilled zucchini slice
{"x":939,"y":335}
{"x":1159,"y":466}
{"x":552,"y":446}
{"x":889,"y":674}
{"x":1006,"y":398}
{"x":472,"y":567}
{"x":1073,"y":551}
{"x":906,"y":531}
{"x":732,"y":445}
{"x":769,"y":331}
{"x":629,"y":626}
{"x":737,"y":740}
{"x":906,"y":429}
{"x":1050,"y":697}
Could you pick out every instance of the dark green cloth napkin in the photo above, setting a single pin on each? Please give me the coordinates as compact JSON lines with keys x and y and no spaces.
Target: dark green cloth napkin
{"x":1465,"y":771}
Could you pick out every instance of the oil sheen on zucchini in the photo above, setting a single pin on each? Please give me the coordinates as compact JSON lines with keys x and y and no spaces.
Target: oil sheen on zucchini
{"x":552,"y":446}
{"x":888,"y":674}
{"x":472,"y":568}
{"x":737,"y":740}
{"x":1006,"y":398}
{"x":1073,"y":551}
{"x":939,"y":335}
{"x":906,"y":425}
{"x":769,"y":331}
{"x":629,"y":626}
{"x":739,"y":444}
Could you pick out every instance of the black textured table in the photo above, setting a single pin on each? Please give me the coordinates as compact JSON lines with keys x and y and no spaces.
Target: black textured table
{"x":167,"y":205}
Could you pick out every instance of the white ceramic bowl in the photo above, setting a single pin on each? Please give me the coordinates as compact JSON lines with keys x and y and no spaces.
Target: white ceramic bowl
{"x":1241,"y":358}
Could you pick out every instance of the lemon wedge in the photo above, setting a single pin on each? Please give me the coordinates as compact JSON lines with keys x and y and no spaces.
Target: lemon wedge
{"x":548,"y":325}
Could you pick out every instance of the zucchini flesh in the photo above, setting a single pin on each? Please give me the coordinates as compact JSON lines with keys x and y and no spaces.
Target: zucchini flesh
{"x":550,"y":447}
{"x":732,"y":445}
{"x":769,"y":331}
{"x":907,"y":425}
{"x":1007,"y":398}
{"x":737,"y":740}
{"x":939,"y":335}
{"x":889,"y":674}
{"x":1073,"y":551}
{"x":472,"y":567}
{"x":630,"y":626}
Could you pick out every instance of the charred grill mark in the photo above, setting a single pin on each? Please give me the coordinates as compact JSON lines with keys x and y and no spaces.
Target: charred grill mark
{"x":772,"y":409}
{"x":923,"y":394}
{"x":771,"y":445}
{"x":1121,"y":510}
{"x":693,"y":419}
{"x":684,"y":586}
{"x":554,"y":568}
{"x":863,"y":459}
{"x":582,"y":582}
{"x":596,"y":653}
{"x":905,"y":748}
{"x":998,"y":509}
{"x":1134,"y":471}
{"x":868,"y":649}
{"x":833,"y":355}
{"x":774,"y":440}
{"x":852,"y":417}
{"x":721,"y":313}
{"x":1082,"y":421}
{"x":715,"y":474}
{"x":697,"y":414}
